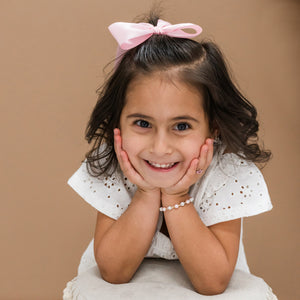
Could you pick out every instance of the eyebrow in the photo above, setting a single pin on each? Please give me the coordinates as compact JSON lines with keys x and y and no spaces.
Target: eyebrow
{"x":139,"y":116}
{"x":179,"y":118}
{"x":189,"y":118}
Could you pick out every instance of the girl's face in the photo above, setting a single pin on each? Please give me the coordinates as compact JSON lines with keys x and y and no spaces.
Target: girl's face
{"x":163,"y":126}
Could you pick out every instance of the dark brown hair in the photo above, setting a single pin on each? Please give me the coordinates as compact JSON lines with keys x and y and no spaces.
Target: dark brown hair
{"x":200,"y":64}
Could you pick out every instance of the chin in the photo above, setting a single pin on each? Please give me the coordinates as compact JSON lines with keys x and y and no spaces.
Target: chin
{"x":162,"y":185}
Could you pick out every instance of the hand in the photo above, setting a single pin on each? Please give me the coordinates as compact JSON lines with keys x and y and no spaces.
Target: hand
{"x":127,"y":168}
{"x":195,"y":171}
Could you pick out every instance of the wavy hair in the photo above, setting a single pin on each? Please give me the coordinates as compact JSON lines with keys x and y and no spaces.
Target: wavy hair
{"x":199,"y":64}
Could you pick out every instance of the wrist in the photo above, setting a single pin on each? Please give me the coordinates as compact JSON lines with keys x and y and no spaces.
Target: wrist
{"x":171,"y":200}
{"x":151,"y":196}
{"x":177,"y":205}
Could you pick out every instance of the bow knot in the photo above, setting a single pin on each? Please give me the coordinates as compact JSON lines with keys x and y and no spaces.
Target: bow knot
{"x":158,"y":30}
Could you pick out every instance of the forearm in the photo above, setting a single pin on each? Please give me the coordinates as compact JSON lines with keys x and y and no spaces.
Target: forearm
{"x":200,"y":252}
{"x":124,"y":245}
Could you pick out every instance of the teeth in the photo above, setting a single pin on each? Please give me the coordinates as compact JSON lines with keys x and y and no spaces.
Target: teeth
{"x":161,"y":166}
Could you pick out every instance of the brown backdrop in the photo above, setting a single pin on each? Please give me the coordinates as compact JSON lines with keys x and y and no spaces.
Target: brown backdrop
{"x":52,"y":54}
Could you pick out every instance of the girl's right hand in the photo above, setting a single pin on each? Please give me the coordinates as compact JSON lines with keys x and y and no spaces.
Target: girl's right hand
{"x":127,"y":168}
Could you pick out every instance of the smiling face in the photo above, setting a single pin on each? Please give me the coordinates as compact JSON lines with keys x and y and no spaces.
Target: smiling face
{"x":163,"y":126}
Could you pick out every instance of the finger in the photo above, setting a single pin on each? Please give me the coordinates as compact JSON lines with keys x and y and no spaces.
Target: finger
{"x":193,"y":168}
{"x":121,"y":154}
{"x":117,"y":140}
{"x":210,"y":152}
{"x":201,"y":167}
{"x":189,"y":177}
{"x":206,"y":155}
{"x":118,"y":144}
{"x":127,"y":167}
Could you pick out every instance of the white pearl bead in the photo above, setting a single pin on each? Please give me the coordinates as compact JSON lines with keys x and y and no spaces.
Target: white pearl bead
{"x":183,"y":203}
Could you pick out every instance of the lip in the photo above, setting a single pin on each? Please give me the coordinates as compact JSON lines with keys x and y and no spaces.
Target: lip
{"x":161,"y":169}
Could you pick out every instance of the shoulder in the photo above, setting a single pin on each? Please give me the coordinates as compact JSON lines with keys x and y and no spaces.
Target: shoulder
{"x":230,"y":171}
{"x":235,"y":171}
{"x":232,"y":188}
{"x":109,"y":194}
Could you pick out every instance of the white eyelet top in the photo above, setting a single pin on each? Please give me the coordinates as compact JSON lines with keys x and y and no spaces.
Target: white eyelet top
{"x":231,"y":188}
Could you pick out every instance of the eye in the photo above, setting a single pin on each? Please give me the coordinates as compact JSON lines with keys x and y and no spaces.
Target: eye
{"x":182,"y":126}
{"x":142,"y":123}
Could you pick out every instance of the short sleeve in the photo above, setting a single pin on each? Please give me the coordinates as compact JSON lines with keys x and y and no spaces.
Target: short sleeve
{"x":111,"y":195}
{"x":234,"y":191}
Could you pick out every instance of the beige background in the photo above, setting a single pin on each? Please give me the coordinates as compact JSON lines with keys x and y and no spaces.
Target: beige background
{"x":51,"y":57}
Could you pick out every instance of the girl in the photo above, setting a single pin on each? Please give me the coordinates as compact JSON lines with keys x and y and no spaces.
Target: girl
{"x":171,"y":171}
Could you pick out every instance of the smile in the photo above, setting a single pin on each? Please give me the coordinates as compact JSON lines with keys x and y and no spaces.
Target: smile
{"x":161,"y":166}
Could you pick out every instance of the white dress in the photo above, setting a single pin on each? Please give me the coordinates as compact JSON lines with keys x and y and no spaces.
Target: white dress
{"x":231,"y":188}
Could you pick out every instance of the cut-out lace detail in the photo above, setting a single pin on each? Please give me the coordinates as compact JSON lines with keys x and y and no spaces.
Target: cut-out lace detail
{"x":231,"y":188}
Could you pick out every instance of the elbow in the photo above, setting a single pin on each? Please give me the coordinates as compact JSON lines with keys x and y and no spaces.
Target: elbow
{"x":211,"y":290}
{"x":212,"y":287}
{"x":113,"y":276}
{"x":110,"y":271}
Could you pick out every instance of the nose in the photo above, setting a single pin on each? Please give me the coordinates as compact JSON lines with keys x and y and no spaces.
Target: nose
{"x":161,"y":144}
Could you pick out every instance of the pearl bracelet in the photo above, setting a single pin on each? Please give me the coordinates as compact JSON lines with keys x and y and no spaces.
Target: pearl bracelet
{"x":181,"y":204}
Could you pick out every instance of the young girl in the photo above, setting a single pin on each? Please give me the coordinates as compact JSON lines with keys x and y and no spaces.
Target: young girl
{"x":171,"y":171}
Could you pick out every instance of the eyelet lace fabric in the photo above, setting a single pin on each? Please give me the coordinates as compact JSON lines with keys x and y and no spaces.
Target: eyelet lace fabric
{"x":110,"y":195}
{"x":231,"y":188}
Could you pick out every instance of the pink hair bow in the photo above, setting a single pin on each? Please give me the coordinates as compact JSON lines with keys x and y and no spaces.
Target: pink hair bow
{"x":130,"y":35}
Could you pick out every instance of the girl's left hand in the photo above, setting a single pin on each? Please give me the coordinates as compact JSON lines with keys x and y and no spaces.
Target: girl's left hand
{"x":195,"y":171}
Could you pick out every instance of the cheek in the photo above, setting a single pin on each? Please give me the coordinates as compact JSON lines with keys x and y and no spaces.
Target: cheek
{"x":192,"y":149}
{"x":129,"y":144}
{"x":126,"y":144}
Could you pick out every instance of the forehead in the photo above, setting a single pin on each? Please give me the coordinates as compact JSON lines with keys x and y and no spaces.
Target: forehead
{"x":162,"y":88}
{"x":168,"y":76}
